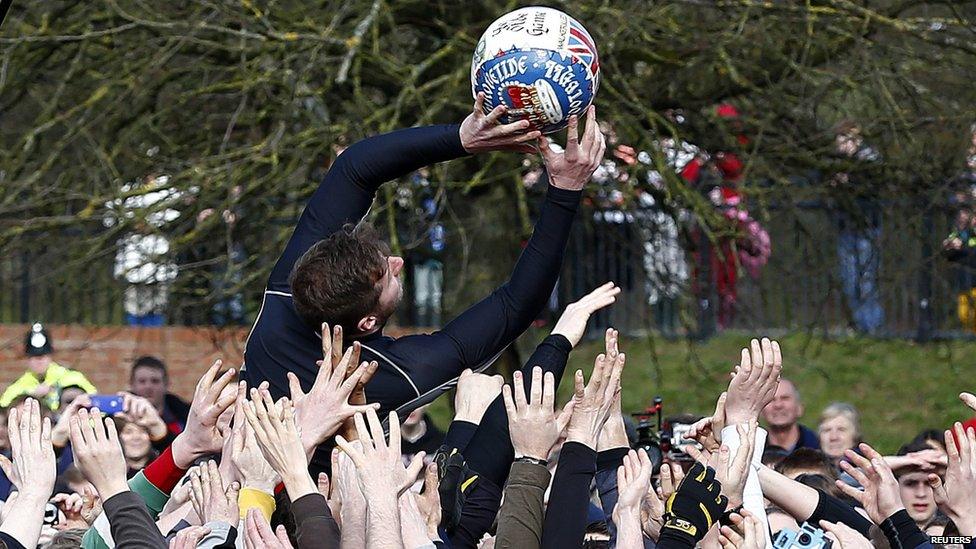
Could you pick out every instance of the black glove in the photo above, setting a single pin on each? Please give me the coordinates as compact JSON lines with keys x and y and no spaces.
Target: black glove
{"x":454,"y":484}
{"x":694,"y":507}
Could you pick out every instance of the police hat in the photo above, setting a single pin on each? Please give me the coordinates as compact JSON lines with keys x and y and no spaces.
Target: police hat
{"x":37,"y":342}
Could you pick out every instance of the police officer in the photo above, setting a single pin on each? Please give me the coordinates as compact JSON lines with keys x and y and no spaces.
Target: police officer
{"x":44,"y":378}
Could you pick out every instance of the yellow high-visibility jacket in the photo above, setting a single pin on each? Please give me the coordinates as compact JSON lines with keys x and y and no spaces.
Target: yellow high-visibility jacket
{"x":57,"y":377}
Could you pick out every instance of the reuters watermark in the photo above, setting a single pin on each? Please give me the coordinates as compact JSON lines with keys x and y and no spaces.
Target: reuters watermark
{"x":952,"y":540}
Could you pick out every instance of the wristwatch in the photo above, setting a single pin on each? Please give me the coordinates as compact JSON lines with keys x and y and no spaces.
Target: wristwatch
{"x":536,"y":461}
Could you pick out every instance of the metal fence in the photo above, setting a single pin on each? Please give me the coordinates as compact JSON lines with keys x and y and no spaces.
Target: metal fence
{"x":666,"y":270}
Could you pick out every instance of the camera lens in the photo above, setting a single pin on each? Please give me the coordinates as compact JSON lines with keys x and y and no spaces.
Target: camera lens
{"x":804,"y":539}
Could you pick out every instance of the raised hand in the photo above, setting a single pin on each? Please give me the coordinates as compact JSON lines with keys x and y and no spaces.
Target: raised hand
{"x":530,"y":421}
{"x":97,"y":452}
{"x":59,"y":433}
{"x":322,"y":411}
{"x":968,"y":399}
{"x":33,"y":467}
{"x":592,"y":404}
{"x":475,"y":392}
{"x":633,"y":483}
{"x":429,"y":501}
{"x":956,"y":496}
{"x":754,"y":382}
{"x":572,"y":323}
{"x":258,"y":533}
{"x":211,"y":501}
{"x":482,"y":132}
{"x":572,"y":168}
{"x":381,"y":470}
{"x":188,"y":537}
{"x":708,"y":430}
{"x":844,"y":536}
{"x":736,"y":469}
{"x":746,"y":534}
{"x":695,"y":506}
{"x":140,"y":411}
{"x":202,"y":435}
{"x":278,"y":439}
{"x":881,"y":497}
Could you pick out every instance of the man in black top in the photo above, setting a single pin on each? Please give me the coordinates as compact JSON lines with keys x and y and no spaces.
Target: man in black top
{"x":332,"y":273}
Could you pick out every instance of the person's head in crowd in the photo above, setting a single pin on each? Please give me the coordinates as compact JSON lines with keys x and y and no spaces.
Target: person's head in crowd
{"x":821,"y":482}
{"x":848,"y":138}
{"x":916,"y":493}
{"x":806,"y":461}
{"x":68,"y":395}
{"x":136,"y":443}
{"x":782,"y":417}
{"x":150,"y":380}
{"x":348,"y":279}
{"x":840,"y":429}
{"x":773,"y":455}
{"x":38,"y":348}
{"x":66,"y":539}
{"x":926,"y":440}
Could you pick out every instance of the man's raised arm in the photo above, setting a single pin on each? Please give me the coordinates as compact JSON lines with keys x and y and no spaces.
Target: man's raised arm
{"x":348,"y":189}
{"x":482,"y":331}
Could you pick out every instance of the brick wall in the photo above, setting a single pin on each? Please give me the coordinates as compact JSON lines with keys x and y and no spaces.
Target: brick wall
{"x":105,"y":353}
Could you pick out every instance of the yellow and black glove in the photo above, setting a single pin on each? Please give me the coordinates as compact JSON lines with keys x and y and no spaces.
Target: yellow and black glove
{"x":690,"y":512}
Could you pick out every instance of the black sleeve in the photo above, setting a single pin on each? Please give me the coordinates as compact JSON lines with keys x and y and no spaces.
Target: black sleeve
{"x":476,"y":336}
{"x":315,"y":527}
{"x":131,"y":525}
{"x":10,"y":541}
{"x":459,"y":434}
{"x":832,"y":509}
{"x":902,"y":532}
{"x":347,"y":190}
{"x":565,"y":523}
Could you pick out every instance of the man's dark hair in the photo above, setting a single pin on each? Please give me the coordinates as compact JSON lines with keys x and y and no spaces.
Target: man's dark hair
{"x":806,"y":459}
{"x":335,"y":281}
{"x":149,"y":361}
{"x":921,"y":442}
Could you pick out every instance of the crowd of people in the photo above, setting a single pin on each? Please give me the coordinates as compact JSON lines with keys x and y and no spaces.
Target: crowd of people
{"x":514,"y":468}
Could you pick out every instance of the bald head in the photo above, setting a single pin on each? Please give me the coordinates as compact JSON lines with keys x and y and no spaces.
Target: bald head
{"x":785,"y":409}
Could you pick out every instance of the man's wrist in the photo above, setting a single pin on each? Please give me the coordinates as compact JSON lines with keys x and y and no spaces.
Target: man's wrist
{"x":111,"y":488}
{"x":299,"y":485}
{"x":265,"y":485}
{"x":183,"y":452}
{"x":585,"y":438}
{"x":471,"y":416}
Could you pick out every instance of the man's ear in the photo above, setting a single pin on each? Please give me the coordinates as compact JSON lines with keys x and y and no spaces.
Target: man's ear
{"x":800,"y":410}
{"x":367,"y":324}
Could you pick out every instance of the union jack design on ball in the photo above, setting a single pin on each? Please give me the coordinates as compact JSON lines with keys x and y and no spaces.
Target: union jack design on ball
{"x":582,"y":46}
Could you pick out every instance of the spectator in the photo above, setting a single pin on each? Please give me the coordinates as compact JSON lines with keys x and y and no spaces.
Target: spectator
{"x":859,"y":224}
{"x":960,"y":248}
{"x":782,"y":415}
{"x":137,"y":445}
{"x":840,"y":429}
{"x":149,"y":379}
{"x":44,"y":379}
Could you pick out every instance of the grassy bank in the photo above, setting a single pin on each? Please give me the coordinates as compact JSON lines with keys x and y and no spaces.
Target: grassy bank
{"x":900,"y":387}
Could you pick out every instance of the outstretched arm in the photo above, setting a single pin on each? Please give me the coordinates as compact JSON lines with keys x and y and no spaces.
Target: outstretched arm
{"x":478,"y":334}
{"x":348,"y":189}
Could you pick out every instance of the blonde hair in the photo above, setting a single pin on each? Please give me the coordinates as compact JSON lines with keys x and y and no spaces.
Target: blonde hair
{"x":843,"y":409}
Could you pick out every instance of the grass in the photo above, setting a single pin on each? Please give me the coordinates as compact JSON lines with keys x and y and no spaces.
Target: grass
{"x":900,"y":387}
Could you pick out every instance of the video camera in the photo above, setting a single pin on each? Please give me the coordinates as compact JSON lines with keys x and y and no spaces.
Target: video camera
{"x":661,"y":438}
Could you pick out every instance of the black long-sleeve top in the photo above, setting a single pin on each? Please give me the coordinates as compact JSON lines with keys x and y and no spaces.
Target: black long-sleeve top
{"x":414,"y":370}
{"x":569,"y":500}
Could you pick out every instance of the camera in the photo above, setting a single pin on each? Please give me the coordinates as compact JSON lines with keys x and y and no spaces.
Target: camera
{"x":662,"y":438}
{"x":809,"y":537}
